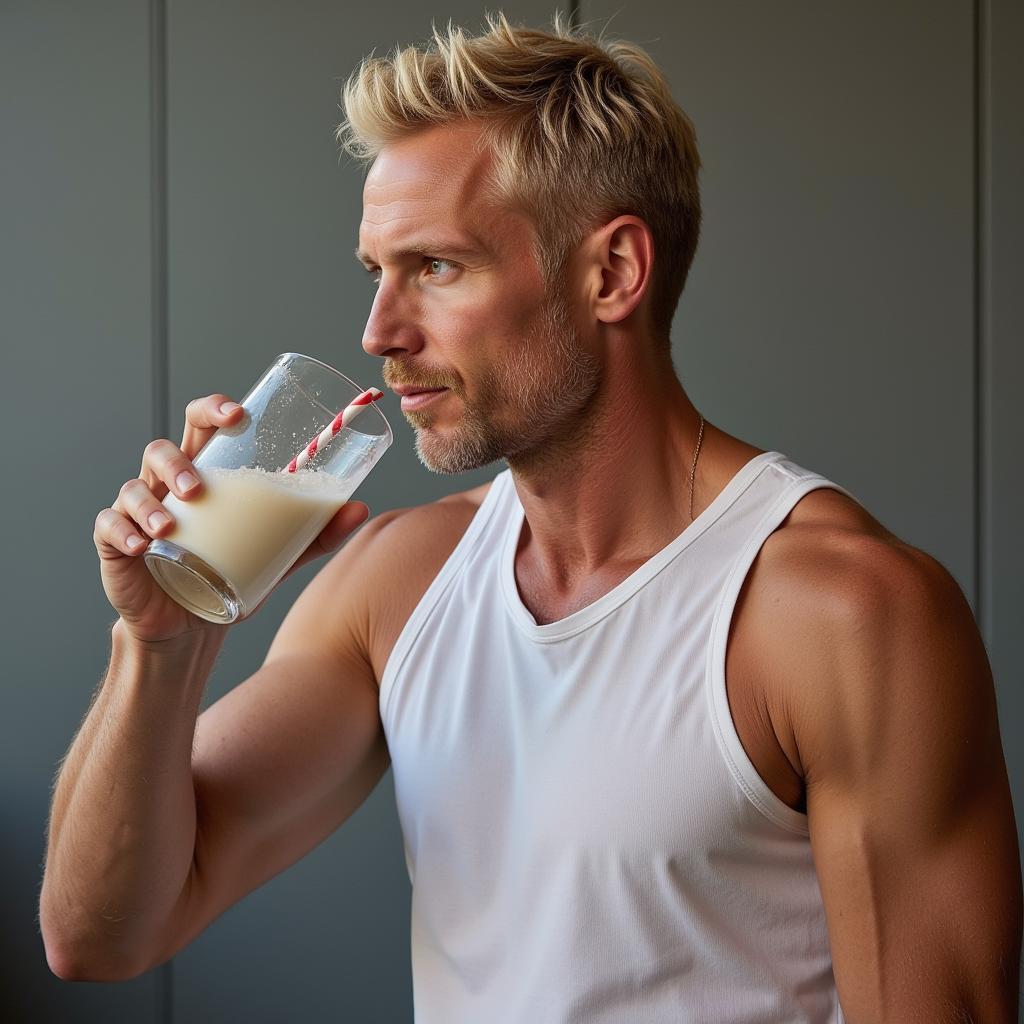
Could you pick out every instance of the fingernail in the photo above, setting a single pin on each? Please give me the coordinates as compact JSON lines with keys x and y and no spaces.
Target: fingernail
{"x":158,"y":520}
{"x":185,"y":481}
{"x":229,"y":407}
{"x":133,"y":542}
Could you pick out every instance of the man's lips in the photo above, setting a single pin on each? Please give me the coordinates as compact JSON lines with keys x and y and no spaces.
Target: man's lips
{"x":410,"y":389}
{"x":416,"y":397}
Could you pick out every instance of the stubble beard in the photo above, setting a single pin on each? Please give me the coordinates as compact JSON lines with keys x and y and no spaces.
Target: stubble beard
{"x":543,"y":390}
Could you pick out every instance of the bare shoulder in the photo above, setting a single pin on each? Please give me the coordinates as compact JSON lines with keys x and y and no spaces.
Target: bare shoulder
{"x":832,"y":577}
{"x":413,"y":526}
{"x":830,"y":547}
{"x":405,"y":550}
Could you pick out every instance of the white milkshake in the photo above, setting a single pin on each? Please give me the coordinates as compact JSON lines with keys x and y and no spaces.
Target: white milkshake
{"x":249,"y":525}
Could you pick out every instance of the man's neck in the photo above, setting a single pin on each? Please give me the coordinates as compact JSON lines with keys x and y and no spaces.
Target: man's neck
{"x":619,"y":490}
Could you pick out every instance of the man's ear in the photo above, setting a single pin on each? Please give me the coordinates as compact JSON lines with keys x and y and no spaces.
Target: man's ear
{"x":620,"y":260}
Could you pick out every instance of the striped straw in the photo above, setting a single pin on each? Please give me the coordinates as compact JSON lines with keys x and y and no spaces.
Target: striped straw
{"x":343,"y":419}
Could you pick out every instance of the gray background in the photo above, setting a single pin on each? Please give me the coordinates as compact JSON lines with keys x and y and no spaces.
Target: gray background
{"x":175,"y":214}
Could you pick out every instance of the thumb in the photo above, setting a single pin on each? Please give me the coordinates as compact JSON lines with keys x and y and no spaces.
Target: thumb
{"x":350,"y":516}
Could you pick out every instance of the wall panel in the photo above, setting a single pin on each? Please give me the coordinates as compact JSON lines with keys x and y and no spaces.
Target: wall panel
{"x":75,"y":337}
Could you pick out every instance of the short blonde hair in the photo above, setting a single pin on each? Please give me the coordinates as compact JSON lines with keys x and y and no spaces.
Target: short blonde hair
{"x":582,"y":131}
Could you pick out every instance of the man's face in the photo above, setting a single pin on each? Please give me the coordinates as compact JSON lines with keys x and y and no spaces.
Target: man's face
{"x":460,"y":304}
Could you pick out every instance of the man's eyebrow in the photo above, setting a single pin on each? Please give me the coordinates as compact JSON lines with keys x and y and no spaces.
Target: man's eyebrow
{"x":424,"y":247}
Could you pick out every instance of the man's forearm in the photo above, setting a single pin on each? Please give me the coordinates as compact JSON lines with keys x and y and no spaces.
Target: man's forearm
{"x":122,"y":825}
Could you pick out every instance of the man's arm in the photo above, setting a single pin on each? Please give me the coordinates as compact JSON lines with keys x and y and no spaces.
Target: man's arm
{"x":908,"y":801}
{"x":270,"y":770}
{"x":283,"y":760}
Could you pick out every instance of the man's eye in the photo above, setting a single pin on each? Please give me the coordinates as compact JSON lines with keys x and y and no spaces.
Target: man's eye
{"x":430,"y":261}
{"x":437,"y":259}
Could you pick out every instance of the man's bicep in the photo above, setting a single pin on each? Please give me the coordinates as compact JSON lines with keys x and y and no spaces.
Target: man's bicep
{"x":923,"y":926}
{"x":909,"y":810}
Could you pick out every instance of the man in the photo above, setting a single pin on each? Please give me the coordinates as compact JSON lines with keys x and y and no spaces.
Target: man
{"x":679,"y":731}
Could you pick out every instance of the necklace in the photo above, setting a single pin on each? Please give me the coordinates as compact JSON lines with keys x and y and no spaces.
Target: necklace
{"x":693,"y":469}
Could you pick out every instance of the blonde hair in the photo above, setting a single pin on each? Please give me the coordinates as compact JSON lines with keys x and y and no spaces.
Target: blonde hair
{"x":582,"y":131}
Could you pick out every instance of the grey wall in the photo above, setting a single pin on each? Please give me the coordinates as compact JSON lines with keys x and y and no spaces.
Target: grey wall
{"x":175,"y":214}
{"x":75,"y":316}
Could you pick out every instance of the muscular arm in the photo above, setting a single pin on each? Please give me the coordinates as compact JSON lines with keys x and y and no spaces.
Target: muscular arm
{"x":282,"y":760}
{"x":162,"y":821}
{"x":909,"y":805}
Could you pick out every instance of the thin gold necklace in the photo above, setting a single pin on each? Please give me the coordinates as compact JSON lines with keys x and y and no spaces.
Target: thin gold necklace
{"x":693,"y":469}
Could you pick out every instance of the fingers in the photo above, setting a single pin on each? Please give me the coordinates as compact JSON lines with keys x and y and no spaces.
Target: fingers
{"x":116,"y":534}
{"x":346,"y":520}
{"x":166,"y":468}
{"x":138,"y":514}
{"x":203,"y":417}
{"x":349,"y":517}
{"x":163,"y":462}
{"x":135,"y":517}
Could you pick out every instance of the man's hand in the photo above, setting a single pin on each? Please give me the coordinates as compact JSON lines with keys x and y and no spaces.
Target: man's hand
{"x":123,"y":531}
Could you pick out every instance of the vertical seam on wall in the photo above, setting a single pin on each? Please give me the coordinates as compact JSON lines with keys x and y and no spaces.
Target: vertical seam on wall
{"x":982,"y":398}
{"x":159,"y":373}
{"x":158,"y":213}
{"x":574,"y":13}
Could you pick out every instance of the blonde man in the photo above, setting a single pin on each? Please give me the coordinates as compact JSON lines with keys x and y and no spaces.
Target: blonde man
{"x":679,"y":731}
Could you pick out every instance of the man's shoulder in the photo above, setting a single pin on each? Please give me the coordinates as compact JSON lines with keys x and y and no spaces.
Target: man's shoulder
{"x":828,"y":564}
{"x":400,"y":555}
{"x":831,"y":578}
{"x":413,"y":524}
{"x":830,"y":555}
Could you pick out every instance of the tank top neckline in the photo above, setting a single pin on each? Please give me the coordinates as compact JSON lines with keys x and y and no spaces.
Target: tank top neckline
{"x":592,"y":613}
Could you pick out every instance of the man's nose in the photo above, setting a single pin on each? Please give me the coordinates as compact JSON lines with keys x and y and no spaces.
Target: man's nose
{"x":388,"y":331}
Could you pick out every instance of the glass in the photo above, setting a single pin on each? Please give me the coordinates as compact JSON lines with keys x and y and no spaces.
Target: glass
{"x":232,"y":544}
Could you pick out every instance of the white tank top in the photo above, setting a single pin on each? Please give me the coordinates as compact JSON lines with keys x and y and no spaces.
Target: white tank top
{"x":587,"y":840}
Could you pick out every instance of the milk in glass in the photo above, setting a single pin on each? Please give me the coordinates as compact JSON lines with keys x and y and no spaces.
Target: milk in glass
{"x":249,"y":525}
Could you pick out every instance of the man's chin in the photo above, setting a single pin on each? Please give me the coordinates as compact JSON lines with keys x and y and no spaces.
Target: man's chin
{"x":442,"y":455}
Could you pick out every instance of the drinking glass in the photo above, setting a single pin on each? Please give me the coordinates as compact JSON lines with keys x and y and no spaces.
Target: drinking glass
{"x":234,"y":542}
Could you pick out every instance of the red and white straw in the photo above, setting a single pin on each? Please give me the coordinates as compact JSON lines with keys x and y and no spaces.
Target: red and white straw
{"x":343,"y":419}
